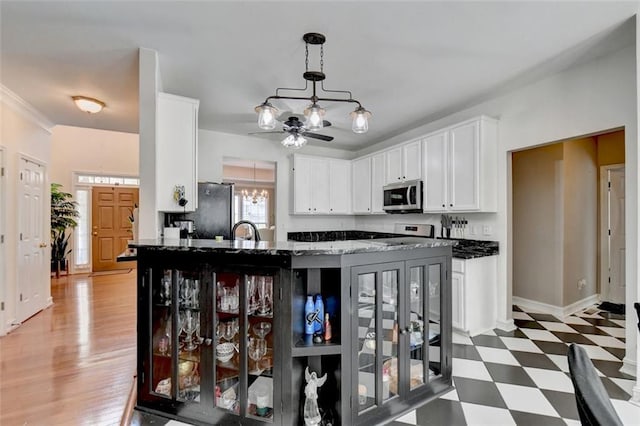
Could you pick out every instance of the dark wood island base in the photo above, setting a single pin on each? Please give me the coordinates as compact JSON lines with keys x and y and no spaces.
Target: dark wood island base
{"x":223,"y":336}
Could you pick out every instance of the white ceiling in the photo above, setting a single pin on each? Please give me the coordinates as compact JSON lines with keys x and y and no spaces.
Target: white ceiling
{"x":407,"y":62}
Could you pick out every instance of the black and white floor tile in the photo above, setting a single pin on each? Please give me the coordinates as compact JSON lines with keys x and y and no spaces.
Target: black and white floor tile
{"x":522,"y":377}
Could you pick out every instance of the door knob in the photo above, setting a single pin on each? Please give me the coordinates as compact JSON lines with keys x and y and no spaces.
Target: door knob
{"x":43,"y":245}
{"x":95,"y":234}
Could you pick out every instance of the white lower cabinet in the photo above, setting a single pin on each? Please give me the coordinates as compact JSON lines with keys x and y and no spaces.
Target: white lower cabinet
{"x":321,"y":185}
{"x":473,"y":294}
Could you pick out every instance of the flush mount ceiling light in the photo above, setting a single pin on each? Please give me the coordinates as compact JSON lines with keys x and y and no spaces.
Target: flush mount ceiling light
{"x":314,"y":112}
{"x":87,"y":104}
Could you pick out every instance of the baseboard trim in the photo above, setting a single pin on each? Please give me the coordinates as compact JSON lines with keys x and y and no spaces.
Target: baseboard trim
{"x":628,"y":366}
{"x":507,"y":325}
{"x":558,"y":311}
{"x":635,"y":398}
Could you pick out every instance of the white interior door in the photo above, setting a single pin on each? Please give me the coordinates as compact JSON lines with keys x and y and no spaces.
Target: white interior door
{"x":3,"y":205}
{"x":616,"y":231}
{"x":32,"y":271}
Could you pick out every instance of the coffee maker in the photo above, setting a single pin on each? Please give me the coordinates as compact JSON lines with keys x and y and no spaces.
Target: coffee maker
{"x":187,"y":228}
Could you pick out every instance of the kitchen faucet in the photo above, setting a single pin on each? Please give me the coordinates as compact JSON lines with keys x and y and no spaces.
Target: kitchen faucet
{"x":246,"y":222}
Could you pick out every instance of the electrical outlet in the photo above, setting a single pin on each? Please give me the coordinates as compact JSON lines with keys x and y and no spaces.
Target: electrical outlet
{"x":582,"y":283}
{"x":486,"y":230}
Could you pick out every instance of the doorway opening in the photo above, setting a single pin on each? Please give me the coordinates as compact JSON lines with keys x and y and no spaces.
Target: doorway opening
{"x":559,"y":222}
{"x":612,"y":236}
{"x":104,"y":226}
{"x":254,"y":196}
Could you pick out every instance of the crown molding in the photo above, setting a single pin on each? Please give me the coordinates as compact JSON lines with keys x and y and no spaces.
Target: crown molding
{"x":21,"y":106}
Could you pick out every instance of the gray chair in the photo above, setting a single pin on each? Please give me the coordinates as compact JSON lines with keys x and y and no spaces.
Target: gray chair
{"x":594,"y":405}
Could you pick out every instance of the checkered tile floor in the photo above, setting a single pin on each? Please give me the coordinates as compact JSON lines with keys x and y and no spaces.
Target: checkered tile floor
{"x":522,"y":377}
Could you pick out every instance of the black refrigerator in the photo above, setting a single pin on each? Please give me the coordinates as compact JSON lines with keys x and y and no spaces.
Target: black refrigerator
{"x":214,"y":215}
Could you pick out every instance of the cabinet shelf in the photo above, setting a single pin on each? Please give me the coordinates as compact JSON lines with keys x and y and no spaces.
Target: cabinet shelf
{"x":316,"y":349}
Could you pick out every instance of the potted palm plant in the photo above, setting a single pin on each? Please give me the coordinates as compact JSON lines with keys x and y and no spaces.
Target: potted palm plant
{"x":63,"y":217}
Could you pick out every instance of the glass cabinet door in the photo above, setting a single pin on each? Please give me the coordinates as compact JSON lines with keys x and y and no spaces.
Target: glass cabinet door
{"x":377,"y":307}
{"x":244,"y":347}
{"x":175,"y":323}
{"x":433,"y":331}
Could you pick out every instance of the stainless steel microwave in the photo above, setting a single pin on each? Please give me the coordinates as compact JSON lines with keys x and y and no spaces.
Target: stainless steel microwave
{"x":403,"y":197}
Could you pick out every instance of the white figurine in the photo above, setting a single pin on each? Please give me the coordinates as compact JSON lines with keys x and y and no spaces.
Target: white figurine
{"x":311,"y":412}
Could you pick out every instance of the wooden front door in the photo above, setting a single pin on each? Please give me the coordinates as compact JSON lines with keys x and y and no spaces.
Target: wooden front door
{"x":111,"y":228}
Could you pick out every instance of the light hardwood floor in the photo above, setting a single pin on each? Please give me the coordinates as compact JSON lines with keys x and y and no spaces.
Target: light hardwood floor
{"x":73,"y":363}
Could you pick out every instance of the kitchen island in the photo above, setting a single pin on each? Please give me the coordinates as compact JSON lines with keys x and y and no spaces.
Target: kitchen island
{"x":226,"y":333}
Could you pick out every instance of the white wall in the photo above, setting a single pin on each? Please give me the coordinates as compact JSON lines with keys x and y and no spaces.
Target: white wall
{"x":538,"y":225}
{"x":587,"y":99}
{"x":24,"y":132}
{"x":214,"y":146}
{"x":580,"y":250}
{"x":78,"y":149}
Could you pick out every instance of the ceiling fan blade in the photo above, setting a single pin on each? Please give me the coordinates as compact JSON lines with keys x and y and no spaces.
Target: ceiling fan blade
{"x":266,"y":133}
{"x":317,"y":136}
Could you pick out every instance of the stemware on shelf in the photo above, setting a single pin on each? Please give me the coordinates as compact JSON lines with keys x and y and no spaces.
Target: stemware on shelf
{"x":190,"y":323}
{"x":257,"y":349}
{"x":261,"y":329}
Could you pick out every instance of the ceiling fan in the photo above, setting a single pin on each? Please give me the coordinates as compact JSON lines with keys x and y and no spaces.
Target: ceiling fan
{"x":297,"y":132}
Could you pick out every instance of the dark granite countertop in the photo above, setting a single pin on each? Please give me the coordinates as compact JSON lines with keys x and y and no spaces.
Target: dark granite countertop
{"x":462,"y":249}
{"x":293,"y":248}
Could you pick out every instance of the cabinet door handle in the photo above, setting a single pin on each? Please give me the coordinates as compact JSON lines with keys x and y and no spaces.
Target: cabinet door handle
{"x":443,"y":205}
{"x":309,"y":208}
{"x":450,"y":205}
{"x":206,"y":341}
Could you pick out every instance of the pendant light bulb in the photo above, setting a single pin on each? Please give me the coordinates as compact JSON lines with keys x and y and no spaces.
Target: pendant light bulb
{"x":266,"y":116}
{"x":314,"y":114}
{"x":360,"y":122}
{"x":294,"y":141}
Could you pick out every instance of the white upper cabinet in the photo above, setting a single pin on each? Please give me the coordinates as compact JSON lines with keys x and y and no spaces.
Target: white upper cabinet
{"x":321,"y":185}
{"x":377,"y":182}
{"x":403,"y":162}
{"x":460,"y":167}
{"x":362,"y":188}
{"x":340,"y":186}
{"x":176,"y":152}
{"x":436,"y":172}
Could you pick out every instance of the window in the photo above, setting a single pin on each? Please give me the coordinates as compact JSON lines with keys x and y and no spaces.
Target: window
{"x":245,"y":209}
{"x":107,"y":180}
{"x":81,"y":246}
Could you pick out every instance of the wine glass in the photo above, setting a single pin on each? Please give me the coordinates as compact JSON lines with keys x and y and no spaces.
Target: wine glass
{"x":229,"y":330}
{"x":251,"y":294}
{"x":190,"y":323}
{"x":261,"y":329}
{"x":265,"y":285}
{"x":186,"y":291}
{"x":166,"y":290}
{"x":257,"y":349}
{"x":195,"y":293}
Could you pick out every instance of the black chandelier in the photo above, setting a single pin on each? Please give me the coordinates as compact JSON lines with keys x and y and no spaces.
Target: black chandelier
{"x":314,"y":112}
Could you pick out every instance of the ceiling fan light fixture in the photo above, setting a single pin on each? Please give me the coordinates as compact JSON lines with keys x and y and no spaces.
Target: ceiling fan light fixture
{"x":89,"y":105}
{"x":360,"y":123}
{"x":266,"y":116}
{"x":315,"y":115}
{"x":294,"y":141}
